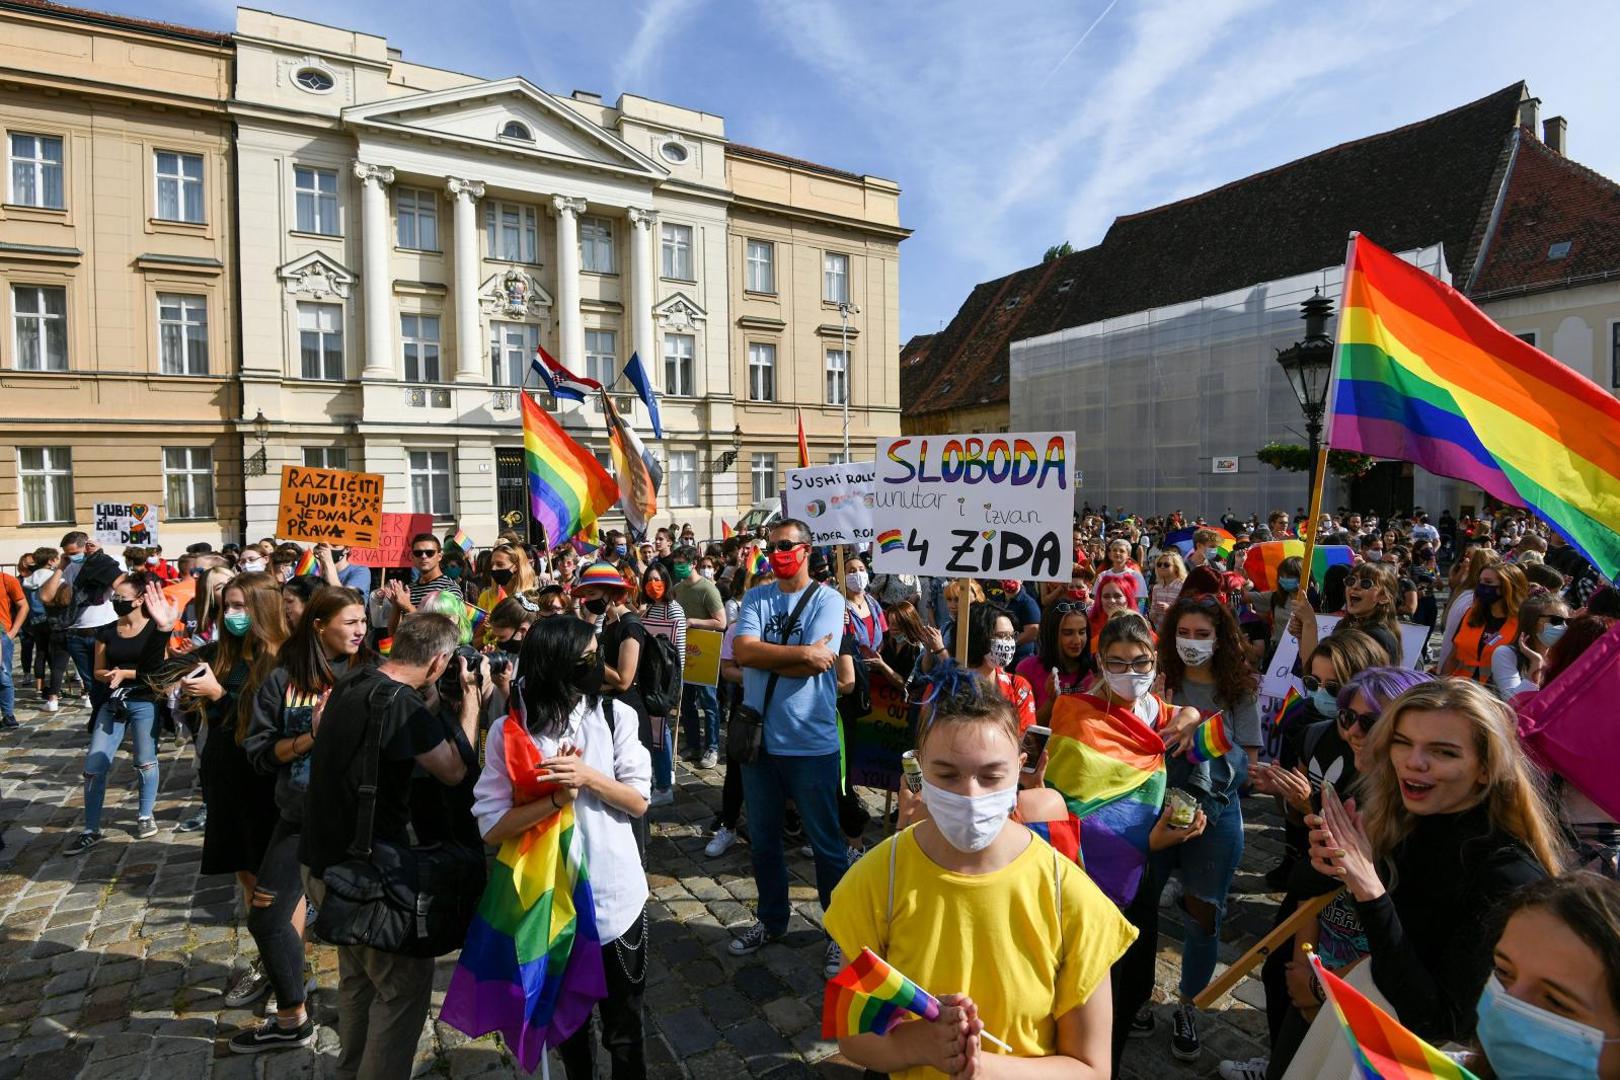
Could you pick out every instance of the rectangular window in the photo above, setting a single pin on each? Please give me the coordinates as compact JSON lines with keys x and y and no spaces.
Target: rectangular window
{"x":835,"y":458}
{"x":417,"y":214}
{"x":179,"y":187}
{"x":602,"y":356}
{"x":679,"y":350}
{"x":512,"y":232}
{"x":678,"y":252}
{"x":762,"y":475}
{"x":36,"y":171}
{"x":837,"y":377}
{"x":320,"y":340}
{"x":420,"y":334}
{"x":430,"y":482}
{"x":511,"y":348}
{"x":682,"y":478}
{"x":45,"y":474}
{"x":188,"y":483}
{"x":604,"y":458}
{"x":1528,"y":337}
{"x":596,"y":245}
{"x":326,"y":457}
{"x":761,"y":266}
{"x":316,"y":191}
{"x":39,"y":323}
{"x":834,"y":278}
{"x":761,"y":372}
{"x":183,"y":334}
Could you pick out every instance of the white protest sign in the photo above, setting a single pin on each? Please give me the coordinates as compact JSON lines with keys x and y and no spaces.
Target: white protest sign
{"x":834,"y":500}
{"x":994,"y":506}
{"x":133,"y":524}
{"x":1279,"y":677}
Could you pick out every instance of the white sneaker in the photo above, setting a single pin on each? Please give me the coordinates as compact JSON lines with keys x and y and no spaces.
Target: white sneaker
{"x":1252,"y":1069}
{"x":807,"y":851}
{"x":50,"y":705}
{"x":662,"y":797}
{"x":721,"y":842}
{"x":710,"y":759}
{"x":834,"y":962}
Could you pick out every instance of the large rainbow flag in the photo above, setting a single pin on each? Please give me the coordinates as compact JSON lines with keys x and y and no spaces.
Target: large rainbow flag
{"x":870,"y":997}
{"x":1109,"y":767}
{"x":1262,"y":560}
{"x":1424,"y":376}
{"x":568,"y":488}
{"x":1384,"y":1049}
{"x":1182,"y":540}
{"x":532,"y":965}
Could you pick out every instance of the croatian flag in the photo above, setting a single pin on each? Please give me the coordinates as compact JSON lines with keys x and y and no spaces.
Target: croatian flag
{"x":559,"y":380}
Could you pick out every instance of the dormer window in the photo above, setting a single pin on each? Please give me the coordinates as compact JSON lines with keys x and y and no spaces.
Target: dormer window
{"x":516,"y":129}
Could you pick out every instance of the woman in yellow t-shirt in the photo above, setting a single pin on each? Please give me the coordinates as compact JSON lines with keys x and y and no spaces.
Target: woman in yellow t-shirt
{"x":970,"y":905}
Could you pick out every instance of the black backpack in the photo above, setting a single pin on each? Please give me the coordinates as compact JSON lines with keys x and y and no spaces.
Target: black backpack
{"x":658,"y":676}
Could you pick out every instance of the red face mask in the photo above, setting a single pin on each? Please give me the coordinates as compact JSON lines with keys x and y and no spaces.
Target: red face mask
{"x":1011,"y":587}
{"x":786,"y":564}
{"x":655,"y":589}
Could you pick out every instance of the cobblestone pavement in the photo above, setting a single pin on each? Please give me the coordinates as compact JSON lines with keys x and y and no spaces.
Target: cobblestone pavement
{"x":114,"y":964}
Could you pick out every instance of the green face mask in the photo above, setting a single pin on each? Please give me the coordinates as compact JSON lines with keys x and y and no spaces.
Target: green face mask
{"x":237,"y":622}
{"x":683,"y":571}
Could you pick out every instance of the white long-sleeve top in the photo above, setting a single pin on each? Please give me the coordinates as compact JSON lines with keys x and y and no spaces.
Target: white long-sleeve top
{"x":612,"y":857}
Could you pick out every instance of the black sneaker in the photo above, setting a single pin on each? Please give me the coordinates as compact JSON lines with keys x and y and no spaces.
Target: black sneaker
{"x":754,"y":938}
{"x":1184,"y":1042}
{"x":1143,"y":1024}
{"x":84,"y":842}
{"x":9,"y":723}
{"x":144,"y":827}
{"x":270,"y":1035}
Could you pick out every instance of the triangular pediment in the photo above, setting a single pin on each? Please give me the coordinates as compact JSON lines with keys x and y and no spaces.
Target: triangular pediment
{"x":512,"y":115}
{"x":316,"y":275}
{"x":679,"y":311}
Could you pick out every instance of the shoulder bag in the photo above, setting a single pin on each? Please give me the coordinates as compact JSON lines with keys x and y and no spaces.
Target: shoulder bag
{"x":745,"y":731}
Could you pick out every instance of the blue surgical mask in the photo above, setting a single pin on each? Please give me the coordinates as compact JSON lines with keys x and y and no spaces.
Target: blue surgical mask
{"x":1288,"y":584}
{"x":1520,"y":1039}
{"x":1550,"y":634}
{"x":76,"y":558}
{"x":1323,"y":703}
{"x":621,"y":549}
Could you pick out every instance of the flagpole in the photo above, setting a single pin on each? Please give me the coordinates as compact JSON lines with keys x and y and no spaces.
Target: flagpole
{"x":1312,"y":523}
{"x":523,"y":456}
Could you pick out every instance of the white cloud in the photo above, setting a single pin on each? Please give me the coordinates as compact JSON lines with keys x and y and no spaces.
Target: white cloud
{"x":660,"y":21}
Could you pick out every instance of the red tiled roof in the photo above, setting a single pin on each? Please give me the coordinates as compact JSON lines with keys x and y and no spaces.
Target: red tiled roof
{"x":740,"y":150}
{"x":1551,"y":200}
{"x":1433,"y":181}
{"x":104,"y":18}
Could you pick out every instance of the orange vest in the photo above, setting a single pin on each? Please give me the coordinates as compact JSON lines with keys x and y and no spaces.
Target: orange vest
{"x":1471,"y":649}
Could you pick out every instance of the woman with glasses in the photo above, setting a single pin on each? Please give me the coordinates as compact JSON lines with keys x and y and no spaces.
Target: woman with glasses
{"x":1169,"y":574}
{"x":1543,"y":619}
{"x":1492,"y":623}
{"x":1063,"y":662}
{"x":1370,"y":593}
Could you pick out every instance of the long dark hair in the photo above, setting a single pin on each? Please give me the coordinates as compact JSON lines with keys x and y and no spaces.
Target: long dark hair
{"x":981,"y":627}
{"x":551,"y":653}
{"x":1234,"y":681}
{"x":1049,"y":650}
{"x":307,"y":667}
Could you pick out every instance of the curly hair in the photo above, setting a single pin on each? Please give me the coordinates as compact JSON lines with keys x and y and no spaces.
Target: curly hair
{"x":1235,"y":681}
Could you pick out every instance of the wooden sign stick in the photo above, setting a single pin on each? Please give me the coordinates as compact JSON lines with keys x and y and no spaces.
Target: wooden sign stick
{"x":964,"y":609}
{"x":1280,"y":935}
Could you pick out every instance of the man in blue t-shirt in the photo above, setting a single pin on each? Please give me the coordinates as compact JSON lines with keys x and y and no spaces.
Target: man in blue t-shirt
{"x":800,"y":756}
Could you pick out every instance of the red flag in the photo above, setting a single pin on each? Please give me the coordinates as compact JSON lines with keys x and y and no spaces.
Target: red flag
{"x":725,"y":530}
{"x":1565,"y":728}
{"x":804,"y":447}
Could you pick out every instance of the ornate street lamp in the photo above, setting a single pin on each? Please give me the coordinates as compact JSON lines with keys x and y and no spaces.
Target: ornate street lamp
{"x":1308,"y":364}
{"x":729,"y":458}
{"x":255,"y":465}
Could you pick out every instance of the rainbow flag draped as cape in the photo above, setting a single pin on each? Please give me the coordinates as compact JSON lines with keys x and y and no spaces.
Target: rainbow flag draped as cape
{"x":1384,"y":1049}
{"x":568,"y":488}
{"x":1109,"y":767}
{"x":1261,"y":563}
{"x":1422,"y":375}
{"x":870,"y":997}
{"x":1182,"y":540}
{"x":1063,"y":834}
{"x":532,"y":965}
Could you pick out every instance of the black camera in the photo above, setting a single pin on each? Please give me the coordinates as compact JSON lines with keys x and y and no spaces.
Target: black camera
{"x":498,"y":663}
{"x":450,"y":681}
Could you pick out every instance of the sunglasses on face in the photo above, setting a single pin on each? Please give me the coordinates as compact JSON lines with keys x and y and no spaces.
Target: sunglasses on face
{"x":424,"y":553}
{"x":1140,"y":666}
{"x":1556,"y":620}
{"x":787,"y":545}
{"x":1313,"y":684}
{"x":1362,"y":582}
{"x":1349,"y":718}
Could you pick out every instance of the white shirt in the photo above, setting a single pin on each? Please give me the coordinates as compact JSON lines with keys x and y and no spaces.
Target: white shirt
{"x":612,"y":857}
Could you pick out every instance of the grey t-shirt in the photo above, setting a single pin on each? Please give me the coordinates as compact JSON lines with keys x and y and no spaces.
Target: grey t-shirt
{"x":95,"y":615}
{"x":1216,"y":782}
{"x":1242,"y":719}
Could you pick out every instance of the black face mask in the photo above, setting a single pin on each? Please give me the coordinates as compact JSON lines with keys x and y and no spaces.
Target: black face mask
{"x":596,"y":605}
{"x":512,"y":645}
{"x":587,"y":675}
{"x":123,"y":607}
{"x":500,"y":577}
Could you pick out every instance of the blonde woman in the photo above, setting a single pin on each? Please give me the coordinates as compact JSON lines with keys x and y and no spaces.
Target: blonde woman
{"x":1370,"y":592}
{"x":1491,"y":623}
{"x":1451,"y":821}
{"x":953,"y":593}
{"x":510,"y":575}
{"x":1169,"y":574}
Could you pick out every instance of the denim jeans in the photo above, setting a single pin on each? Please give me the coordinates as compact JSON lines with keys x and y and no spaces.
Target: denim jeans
{"x":81,"y":646}
{"x":812,"y":784}
{"x":106,"y":734}
{"x":700,"y":718}
{"x":1207,"y":863}
{"x":663,"y":757}
{"x":8,"y":692}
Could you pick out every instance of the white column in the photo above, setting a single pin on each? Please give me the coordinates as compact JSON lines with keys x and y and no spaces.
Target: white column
{"x":472,"y":354}
{"x":643,"y":252}
{"x":382,"y":361}
{"x":571,"y":330}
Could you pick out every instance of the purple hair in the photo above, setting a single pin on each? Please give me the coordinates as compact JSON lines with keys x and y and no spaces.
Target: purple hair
{"x":1381,"y":685}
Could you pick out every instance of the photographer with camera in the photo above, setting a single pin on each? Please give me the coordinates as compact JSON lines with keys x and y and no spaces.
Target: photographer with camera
{"x":441,"y":814}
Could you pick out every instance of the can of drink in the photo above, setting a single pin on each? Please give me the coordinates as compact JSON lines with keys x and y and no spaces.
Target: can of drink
{"x":912,"y":770}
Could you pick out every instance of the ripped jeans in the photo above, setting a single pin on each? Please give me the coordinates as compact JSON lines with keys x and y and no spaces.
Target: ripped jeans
{"x":276,"y":897}
{"x":106,"y":735}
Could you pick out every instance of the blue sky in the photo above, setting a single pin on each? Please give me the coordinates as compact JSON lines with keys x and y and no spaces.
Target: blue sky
{"x":1016,"y":124}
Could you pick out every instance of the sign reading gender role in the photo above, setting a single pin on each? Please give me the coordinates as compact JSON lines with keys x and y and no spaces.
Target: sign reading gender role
{"x":134,"y":524}
{"x":333,"y":506}
{"x":994,"y":506}
{"x":834,"y":500}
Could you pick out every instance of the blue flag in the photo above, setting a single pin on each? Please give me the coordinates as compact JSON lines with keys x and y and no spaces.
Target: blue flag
{"x":638,"y":378}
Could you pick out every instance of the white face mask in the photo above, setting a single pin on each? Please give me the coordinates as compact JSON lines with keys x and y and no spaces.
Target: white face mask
{"x":969,"y":822}
{"x":251,"y":567}
{"x":1195,"y":651}
{"x":855,"y":581}
{"x":1002,"y":651}
{"x":1128,"y":686}
{"x":707,"y":572}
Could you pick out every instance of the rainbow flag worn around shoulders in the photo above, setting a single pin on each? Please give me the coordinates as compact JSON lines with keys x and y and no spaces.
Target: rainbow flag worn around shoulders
{"x":1063,"y":834}
{"x":568,"y":488}
{"x":1384,"y":1049}
{"x":532,"y":965}
{"x":1422,"y":375}
{"x":1109,"y":767}
{"x":871,"y":998}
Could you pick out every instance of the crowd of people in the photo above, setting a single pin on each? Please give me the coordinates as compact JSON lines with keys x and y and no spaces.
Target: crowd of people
{"x":1467,"y":888}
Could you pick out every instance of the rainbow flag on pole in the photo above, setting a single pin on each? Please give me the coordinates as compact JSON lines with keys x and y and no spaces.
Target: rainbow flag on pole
{"x":870,"y":997}
{"x":532,"y":965}
{"x":1109,"y":767}
{"x":1384,"y":1049}
{"x":568,"y":488}
{"x":1422,"y":375}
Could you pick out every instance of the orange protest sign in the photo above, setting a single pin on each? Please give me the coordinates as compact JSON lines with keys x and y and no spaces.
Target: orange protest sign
{"x":330,"y":506}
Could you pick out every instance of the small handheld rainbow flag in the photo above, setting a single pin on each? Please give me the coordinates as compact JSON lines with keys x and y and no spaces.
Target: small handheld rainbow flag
{"x":1209,"y":740}
{"x":725,"y":529}
{"x":307,"y":566}
{"x":385,"y":646}
{"x":759,"y":563}
{"x":1384,"y":1049}
{"x":870,"y":997}
{"x":1294,"y":712}
{"x":463,"y":541}
{"x":475,"y":615}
